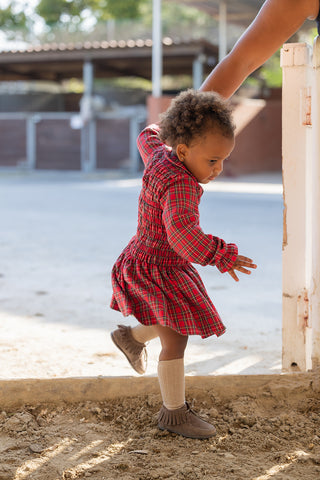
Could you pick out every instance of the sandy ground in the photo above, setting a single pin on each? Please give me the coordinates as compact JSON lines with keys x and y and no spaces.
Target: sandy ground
{"x":272,"y":434}
{"x":60,"y":235}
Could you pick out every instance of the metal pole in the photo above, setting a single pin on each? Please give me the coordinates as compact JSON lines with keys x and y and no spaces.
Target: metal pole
{"x":134,"y":154}
{"x":197,"y":71}
{"x":88,"y":77}
{"x":222,"y":29}
{"x":156,"y":49}
{"x":31,"y":141}
{"x":88,"y":133}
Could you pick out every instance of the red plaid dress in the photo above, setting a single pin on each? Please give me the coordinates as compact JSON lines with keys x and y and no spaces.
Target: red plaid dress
{"x":153,"y":278}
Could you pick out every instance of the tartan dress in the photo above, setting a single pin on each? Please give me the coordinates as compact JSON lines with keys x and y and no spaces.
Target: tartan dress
{"x":153,"y":278}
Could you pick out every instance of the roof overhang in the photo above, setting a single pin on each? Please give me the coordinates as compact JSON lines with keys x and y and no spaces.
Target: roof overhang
{"x":56,"y":62}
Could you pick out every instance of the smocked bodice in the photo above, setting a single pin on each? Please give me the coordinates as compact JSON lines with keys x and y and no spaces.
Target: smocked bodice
{"x":151,"y":241}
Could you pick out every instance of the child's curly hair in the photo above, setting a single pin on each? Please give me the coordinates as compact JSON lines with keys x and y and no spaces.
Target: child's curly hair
{"x":191,"y":114}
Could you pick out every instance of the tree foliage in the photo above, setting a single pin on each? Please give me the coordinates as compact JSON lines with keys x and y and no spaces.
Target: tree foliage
{"x":61,"y":11}
{"x":13,"y":18}
{"x":127,"y":9}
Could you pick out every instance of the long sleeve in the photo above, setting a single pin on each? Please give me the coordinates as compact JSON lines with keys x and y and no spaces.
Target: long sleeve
{"x":186,"y":238}
{"x":148,"y":142}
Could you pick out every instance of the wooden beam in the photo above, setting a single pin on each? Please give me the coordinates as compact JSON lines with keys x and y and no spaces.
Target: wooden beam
{"x":297,"y":225}
{"x":315,"y":284}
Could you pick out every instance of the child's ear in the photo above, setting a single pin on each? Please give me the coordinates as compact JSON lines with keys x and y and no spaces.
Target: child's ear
{"x":181,"y":151}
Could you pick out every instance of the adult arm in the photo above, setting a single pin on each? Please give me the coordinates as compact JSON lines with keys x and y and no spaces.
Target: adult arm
{"x":275,"y":23}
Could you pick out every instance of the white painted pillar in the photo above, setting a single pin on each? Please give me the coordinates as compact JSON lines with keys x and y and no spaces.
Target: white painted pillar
{"x":88,"y":132}
{"x":31,"y":139}
{"x":315,"y":285}
{"x":197,"y":71}
{"x":156,"y":49}
{"x":88,"y":77}
{"x":297,"y":223}
{"x":222,"y":29}
{"x":134,"y":153}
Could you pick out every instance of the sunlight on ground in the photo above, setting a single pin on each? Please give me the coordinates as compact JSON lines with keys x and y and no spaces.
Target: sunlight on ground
{"x":237,"y":366}
{"x":216,"y":186}
{"x":30,"y":466}
{"x":239,"y":187}
{"x":279,"y":468}
{"x":97,"y":457}
{"x":85,"y":450}
{"x":59,"y":350}
{"x":277,"y":367}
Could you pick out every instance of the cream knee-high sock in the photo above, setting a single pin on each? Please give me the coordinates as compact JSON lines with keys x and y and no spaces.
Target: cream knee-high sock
{"x":143,"y":333}
{"x":172,"y":383}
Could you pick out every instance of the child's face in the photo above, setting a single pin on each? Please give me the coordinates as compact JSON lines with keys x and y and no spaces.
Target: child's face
{"x":205,"y":156}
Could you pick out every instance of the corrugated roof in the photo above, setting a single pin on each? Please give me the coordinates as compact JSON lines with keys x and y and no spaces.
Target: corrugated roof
{"x":56,"y":61}
{"x":96,"y":45}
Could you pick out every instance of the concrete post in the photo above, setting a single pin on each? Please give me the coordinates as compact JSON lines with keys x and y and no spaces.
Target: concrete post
{"x":297,"y":222}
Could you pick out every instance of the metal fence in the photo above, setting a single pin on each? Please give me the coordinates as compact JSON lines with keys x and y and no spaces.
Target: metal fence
{"x":43,"y":140}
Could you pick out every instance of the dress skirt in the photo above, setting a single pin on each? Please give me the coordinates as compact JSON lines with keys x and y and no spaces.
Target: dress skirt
{"x":171,"y":296}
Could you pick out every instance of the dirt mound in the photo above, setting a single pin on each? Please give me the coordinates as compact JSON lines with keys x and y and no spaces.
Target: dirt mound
{"x":260,"y":436}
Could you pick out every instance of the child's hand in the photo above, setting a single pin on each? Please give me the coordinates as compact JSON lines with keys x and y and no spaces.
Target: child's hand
{"x":239,"y":265}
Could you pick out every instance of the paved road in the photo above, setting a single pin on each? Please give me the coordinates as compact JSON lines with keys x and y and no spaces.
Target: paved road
{"x":61,"y":233}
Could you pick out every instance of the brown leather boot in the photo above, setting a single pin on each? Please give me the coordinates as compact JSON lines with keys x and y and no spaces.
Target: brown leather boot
{"x":185,"y":422}
{"x":135,"y":352}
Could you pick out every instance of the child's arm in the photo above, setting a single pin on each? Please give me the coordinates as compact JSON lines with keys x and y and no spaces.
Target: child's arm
{"x":148,"y":141}
{"x":181,"y":220}
{"x":241,"y":265}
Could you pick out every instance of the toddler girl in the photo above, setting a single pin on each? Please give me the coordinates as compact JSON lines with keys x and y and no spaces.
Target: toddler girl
{"x":153,"y":279}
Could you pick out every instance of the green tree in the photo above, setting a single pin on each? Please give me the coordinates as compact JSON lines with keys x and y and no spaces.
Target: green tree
{"x":14,"y":22}
{"x":271,"y":73}
{"x":125,"y":9}
{"x":62,"y":11}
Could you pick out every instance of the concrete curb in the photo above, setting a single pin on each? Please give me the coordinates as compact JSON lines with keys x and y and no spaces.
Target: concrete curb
{"x":16,"y":393}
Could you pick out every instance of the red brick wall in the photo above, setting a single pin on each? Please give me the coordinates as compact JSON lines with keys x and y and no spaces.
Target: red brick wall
{"x":258,"y":138}
{"x":58,"y":146}
{"x":113,"y":148}
{"x":12,"y":142}
{"x":258,"y":134}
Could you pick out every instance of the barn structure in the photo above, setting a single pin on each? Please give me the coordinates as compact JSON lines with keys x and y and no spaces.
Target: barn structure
{"x":94,"y":143}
